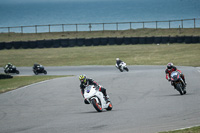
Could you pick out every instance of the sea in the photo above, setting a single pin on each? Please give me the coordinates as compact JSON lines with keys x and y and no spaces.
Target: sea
{"x":88,"y":15}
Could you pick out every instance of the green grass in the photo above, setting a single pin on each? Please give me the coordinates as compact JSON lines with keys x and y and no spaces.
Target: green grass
{"x":20,"y":81}
{"x":5,"y":37}
{"x":188,"y":130}
{"x":151,"y":54}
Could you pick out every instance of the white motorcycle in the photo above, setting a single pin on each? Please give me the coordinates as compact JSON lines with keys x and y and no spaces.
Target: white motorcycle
{"x":122,"y":66}
{"x":97,"y":99}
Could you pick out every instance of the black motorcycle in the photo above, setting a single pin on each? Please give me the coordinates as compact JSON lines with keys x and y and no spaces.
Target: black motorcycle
{"x":12,"y":69}
{"x":39,"y":69}
{"x":178,"y":82}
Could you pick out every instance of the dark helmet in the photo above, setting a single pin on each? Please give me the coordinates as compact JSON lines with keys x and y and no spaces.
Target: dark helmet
{"x":82,"y":78}
{"x":169,"y":66}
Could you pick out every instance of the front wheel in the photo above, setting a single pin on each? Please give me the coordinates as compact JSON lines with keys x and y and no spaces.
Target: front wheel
{"x":109,"y":107}
{"x":179,"y":88}
{"x":45,"y":72}
{"x":96,"y":105}
{"x":17,"y":72}
{"x":126,"y":68}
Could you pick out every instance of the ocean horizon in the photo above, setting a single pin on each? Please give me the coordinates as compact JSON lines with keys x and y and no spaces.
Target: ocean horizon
{"x":45,"y":13}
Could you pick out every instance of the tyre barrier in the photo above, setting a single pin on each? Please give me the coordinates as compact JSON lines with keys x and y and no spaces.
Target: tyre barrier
{"x":119,"y":40}
{"x":5,"y":76}
{"x":64,"y":42}
{"x":173,"y":40}
{"x":165,"y":40}
{"x":98,"y":41}
{"x":134,"y":40}
{"x":157,"y":40}
{"x":142,"y":40}
{"x":127,"y":40}
{"x":88,"y":42}
{"x":149,"y":40}
{"x":111,"y":41}
{"x":104,"y":41}
{"x":72,"y":42}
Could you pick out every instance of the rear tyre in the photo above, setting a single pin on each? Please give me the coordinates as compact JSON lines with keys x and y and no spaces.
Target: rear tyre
{"x":96,"y":105}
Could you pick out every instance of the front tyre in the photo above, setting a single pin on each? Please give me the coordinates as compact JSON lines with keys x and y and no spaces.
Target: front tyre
{"x":109,"y":107}
{"x":126,"y":68}
{"x":179,"y":88}
{"x":17,"y":72}
{"x":45,"y":72}
{"x":96,"y":105}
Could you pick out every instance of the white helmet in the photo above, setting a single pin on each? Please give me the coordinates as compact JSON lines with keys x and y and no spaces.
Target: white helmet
{"x":117,"y":58}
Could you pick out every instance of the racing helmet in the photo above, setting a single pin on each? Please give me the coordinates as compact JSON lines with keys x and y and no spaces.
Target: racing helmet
{"x":82,"y":78}
{"x":169,"y":66}
{"x":117,"y":58}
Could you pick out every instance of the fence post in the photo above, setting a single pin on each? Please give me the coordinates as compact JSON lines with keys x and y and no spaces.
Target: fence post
{"x":117,"y":26}
{"x":21,"y":29}
{"x":63,"y":27}
{"x":194,"y":24}
{"x":8,"y":29}
{"x":169,"y":24}
{"x":49,"y":29}
{"x":76,"y":27}
{"x":182,"y":23}
{"x":36,"y":29}
{"x":103,"y":26}
{"x":143,"y":25}
{"x":156,"y":24}
{"x":90,"y":27}
{"x":130,"y":26}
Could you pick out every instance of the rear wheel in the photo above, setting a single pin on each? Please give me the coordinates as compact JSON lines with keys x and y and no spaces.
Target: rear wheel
{"x":96,"y":105}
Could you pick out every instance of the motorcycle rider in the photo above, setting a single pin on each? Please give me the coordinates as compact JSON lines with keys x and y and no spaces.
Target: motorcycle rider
{"x":170,"y":68}
{"x":118,"y":62}
{"x":36,"y":65}
{"x":88,"y":81}
{"x":8,"y":66}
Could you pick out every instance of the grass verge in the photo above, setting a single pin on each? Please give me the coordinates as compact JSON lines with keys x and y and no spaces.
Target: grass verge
{"x":188,"y":130}
{"x":5,"y":37}
{"x":20,"y":81}
{"x":151,"y":54}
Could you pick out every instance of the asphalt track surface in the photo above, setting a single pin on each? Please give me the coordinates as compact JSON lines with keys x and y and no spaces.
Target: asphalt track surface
{"x":143,"y":102}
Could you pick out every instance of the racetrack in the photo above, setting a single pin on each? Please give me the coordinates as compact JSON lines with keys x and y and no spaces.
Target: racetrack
{"x":143,"y":102}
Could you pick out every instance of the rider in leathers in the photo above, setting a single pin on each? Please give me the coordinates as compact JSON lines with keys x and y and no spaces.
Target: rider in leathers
{"x":170,"y":68}
{"x":88,"y":81}
{"x":8,"y":66}
{"x":118,"y":61}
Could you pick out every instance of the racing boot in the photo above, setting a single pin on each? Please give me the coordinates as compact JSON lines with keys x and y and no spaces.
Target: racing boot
{"x":107,"y":99}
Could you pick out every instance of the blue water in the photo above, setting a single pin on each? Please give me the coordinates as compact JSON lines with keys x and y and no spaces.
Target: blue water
{"x":39,"y":13}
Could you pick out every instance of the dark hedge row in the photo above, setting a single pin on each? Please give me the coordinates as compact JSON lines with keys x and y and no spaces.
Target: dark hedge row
{"x":5,"y":76}
{"x":98,"y":41}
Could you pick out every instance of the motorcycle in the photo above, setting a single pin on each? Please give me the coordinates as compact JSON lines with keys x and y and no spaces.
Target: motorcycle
{"x":11,"y":69}
{"x":178,"y":82}
{"x":39,"y":69}
{"x":97,"y":99}
{"x":122,"y":66}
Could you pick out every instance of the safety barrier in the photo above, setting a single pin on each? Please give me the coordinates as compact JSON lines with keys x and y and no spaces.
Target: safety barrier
{"x":98,"y":41}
